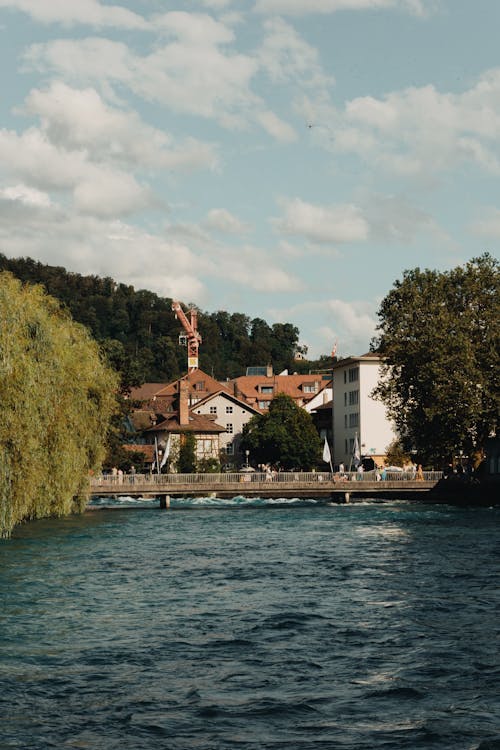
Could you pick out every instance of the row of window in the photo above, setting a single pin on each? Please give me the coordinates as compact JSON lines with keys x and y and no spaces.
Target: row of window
{"x":353,"y":397}
{"x":229,"y":410}
{"x":352,"y":419}
{"x":352,"y":375}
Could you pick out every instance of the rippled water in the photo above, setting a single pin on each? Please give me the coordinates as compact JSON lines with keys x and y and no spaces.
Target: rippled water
{"x":300,"y":626}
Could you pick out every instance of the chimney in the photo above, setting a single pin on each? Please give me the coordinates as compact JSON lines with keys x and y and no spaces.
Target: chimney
{"x":183,"y":403}
{"x":269,"y":371}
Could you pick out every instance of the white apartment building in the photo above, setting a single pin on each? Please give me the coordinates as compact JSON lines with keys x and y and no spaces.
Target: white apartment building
{"x":356,"y":413}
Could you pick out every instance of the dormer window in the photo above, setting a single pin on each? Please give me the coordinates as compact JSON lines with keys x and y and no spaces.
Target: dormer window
{"x":266,"y":389}
{"x":310,"y":387}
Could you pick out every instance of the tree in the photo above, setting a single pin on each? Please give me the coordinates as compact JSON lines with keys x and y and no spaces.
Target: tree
{"x":186,"y":463}
{"x":285,"y":436}
{"x":56,"y":400}
{"x":439,"y":337}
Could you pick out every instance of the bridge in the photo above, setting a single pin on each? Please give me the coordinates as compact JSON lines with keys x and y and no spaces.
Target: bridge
{"x":337,"y":487}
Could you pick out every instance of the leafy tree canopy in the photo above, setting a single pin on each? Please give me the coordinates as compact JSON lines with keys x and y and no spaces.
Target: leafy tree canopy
{"x":439,"y":336}
{"x":285,"y":436}
{"x":56,"y":400}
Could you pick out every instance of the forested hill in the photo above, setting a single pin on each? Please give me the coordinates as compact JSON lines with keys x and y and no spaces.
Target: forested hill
{"x":141,"y":335}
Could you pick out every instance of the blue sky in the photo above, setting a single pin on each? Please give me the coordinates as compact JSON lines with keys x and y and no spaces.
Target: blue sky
{"x":286,"y":159}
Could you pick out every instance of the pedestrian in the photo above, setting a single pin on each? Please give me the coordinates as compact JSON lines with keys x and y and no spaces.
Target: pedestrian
{"x":420,"y":473}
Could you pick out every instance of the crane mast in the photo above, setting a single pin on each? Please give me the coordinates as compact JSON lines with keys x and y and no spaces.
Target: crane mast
{"x":193,"y":338}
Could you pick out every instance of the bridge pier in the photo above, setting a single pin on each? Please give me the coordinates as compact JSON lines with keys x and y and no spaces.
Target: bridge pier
{"x":164,"y":502}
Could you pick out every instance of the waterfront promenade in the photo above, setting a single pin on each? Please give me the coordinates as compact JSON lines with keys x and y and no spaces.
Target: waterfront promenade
{"x":257,"y":484}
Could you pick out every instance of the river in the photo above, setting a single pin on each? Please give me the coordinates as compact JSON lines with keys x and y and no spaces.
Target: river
{"x":253,"y":625}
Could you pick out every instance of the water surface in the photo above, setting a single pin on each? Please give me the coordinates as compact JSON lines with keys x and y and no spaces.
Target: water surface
{"x":299,"y":625}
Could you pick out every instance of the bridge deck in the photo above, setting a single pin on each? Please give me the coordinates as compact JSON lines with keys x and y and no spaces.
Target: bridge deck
{"x":283,"y":484}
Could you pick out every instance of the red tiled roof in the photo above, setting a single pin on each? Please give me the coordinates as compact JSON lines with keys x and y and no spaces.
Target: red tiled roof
{"x":248,"y":387}
{"x":197,"y":423}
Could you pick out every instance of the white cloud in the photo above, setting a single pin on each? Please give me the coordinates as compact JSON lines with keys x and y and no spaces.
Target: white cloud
{"x":252,"y":268}
{"x":350,"y":324}
{"x":421,"y":131}
{"x":322,"y":224}
{"x":223,"y":220}
{"x":72,"y":12}
{"x":80,"y":119}
{"x":46,"y":167}
{"x":194,"y":72}
{"x":27,"y":195}
{"x":286,"y":56}
{"x":488,"y":225}
{"x":306,"y":7}
{"x":276,"y":127}
{"x":190,"y":74}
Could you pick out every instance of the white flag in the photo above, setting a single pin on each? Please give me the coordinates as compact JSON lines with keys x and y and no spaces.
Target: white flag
{"x":326,"y":452}
{"x":356,"y":454}
{"x":166,"y":453}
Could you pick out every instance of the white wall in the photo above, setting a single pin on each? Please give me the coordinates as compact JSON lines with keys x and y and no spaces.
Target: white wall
{"x":238,"y":417}
{"x":374,"y":430}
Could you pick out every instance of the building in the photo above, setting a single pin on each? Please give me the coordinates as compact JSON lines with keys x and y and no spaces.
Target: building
{"x":356,"y":413}
{"x":233,"y":415}
{"x":258,"y":390}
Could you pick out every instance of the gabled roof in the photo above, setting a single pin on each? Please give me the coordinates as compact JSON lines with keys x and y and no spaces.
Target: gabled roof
{"x":146,"y":391}
{"x":229,"y":397}
{"x":249,"y":386}
{"x":200,"y":423}
{"x":199,"y":382}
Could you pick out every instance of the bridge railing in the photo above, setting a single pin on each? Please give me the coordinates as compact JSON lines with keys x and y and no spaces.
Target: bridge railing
{"x":282,"y":477}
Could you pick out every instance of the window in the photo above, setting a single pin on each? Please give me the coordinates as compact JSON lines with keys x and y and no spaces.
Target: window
{"x":354,"y":419}
{"x":345,"y":420}
{"x":345,"y":376}
{"x":200,"y":386}
{"x":230,"y":449}
{"x":229,"y":409}
{"x":310,"y":387}
{"x":263,"y":404}
{"x":353,"y":374}
{"x":213,"y":410}
{"x":266,"y":388}
{"x":229,"y":428}
{"x":346,"y":447}
{"x":353,"y":398}
{"x":345,"y":398}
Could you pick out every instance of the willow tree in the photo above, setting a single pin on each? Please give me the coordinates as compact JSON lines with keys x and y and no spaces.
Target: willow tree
{"x":440,"y":340}
{"x":56,"y":400}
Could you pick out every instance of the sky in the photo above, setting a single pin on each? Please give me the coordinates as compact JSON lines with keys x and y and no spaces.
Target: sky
{"x":285,"y":159}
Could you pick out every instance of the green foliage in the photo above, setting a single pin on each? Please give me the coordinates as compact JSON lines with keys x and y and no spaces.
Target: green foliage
{"x":56,"y":399}
{"x":439,"y":335}
{"x":395,"y":455}
{"x":186,"y":462}
{"x":285,"y":436}
{"x":141,"y":335}
{"x":209,"y":466}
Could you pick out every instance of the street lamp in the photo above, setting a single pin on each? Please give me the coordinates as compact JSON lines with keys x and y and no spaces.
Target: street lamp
{"x":247,"y":453}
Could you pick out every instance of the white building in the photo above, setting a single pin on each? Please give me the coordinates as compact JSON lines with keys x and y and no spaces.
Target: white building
{"x":356,"y":413}
{"x":232,"y":414}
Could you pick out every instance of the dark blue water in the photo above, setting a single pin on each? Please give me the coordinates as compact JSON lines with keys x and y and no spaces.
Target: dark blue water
{"x":313,"y":627}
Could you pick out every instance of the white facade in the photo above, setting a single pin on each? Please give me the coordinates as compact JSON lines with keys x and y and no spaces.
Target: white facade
{"x":230,"y":413}
{"x":356,"y":413}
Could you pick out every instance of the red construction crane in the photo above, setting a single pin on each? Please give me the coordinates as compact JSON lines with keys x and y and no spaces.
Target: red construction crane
{"x":192,"y":338}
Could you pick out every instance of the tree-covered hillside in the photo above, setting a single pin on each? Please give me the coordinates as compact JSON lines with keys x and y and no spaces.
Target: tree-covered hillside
{"x":140,"y":332}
